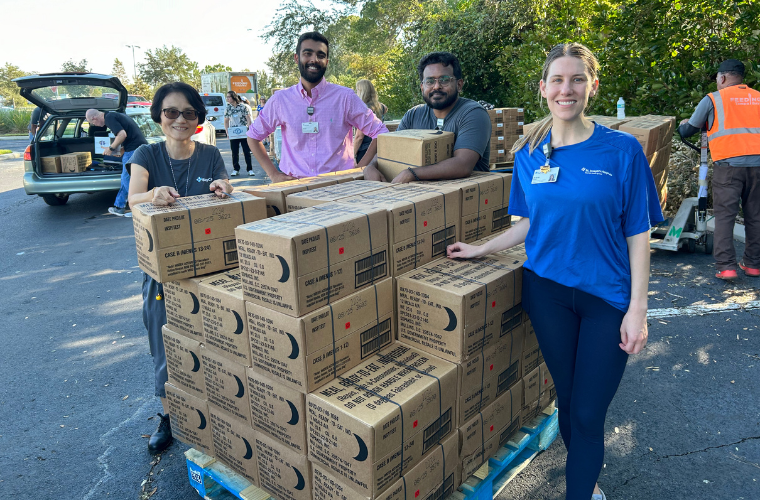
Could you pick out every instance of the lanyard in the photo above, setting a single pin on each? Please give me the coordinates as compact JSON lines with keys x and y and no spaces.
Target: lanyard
{"x":547,"y":153}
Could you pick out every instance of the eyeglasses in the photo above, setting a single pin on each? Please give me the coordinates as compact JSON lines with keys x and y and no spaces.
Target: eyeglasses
{"x":172,"y":113}
{"x":443,"y":80}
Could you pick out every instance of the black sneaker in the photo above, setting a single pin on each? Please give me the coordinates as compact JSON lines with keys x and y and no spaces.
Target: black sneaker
{"x":162,"y":438}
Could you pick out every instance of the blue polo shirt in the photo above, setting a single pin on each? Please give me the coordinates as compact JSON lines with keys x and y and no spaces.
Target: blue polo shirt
{"x":604,"y":193}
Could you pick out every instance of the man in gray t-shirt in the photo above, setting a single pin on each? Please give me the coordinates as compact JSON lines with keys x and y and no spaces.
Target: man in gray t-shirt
{"x":441,"y":82}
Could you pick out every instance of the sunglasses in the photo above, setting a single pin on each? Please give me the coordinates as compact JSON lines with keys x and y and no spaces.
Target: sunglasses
{"x":172,"y":113}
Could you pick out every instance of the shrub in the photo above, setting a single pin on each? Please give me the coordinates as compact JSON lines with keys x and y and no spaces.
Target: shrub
{"x":14,"y":121}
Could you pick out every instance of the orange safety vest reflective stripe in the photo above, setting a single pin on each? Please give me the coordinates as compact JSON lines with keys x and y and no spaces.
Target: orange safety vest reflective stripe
{"x":736,"y":128}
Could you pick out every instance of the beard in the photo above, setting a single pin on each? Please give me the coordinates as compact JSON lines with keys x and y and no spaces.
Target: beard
{"x":443,"y":101}
{"x":311,"y":77}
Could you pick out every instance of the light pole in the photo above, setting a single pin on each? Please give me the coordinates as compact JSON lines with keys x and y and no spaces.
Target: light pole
{"x":134,"y":67}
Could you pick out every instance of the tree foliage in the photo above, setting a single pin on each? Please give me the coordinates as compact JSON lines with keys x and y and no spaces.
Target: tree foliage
{"x":164,"y":65}
{"x":656,"y":54}
{"x":119,"y":72}
{"x":75,"y":67}
{"x":215,"y":68}
{"x":9,"y":91}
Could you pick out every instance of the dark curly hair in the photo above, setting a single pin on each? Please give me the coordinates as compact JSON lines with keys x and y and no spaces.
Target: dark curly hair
{"x":444,"y":58}
{"x":192,"y":96}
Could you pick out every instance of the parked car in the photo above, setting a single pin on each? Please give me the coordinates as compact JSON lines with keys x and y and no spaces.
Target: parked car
{"x":137,"y":100}
{"x":65,"y":130}
{"x":215,"y":105}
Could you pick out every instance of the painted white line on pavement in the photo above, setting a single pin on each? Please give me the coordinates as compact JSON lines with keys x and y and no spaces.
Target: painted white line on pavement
{"x":670,"y":312}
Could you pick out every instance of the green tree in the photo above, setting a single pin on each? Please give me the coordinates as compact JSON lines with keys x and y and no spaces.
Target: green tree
{"x":265,"y":86}
{"x":119,"y":72}
{"x":9,"y":91}
{"x":215,"y":68}
{"x":75,"y":67}
{"x":165,"y":65}
{"x":140,"y":87}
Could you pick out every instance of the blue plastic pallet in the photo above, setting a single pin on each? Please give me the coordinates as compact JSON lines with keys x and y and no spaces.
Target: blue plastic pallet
{"x":215,"y":481}
{"x":513,"y":457}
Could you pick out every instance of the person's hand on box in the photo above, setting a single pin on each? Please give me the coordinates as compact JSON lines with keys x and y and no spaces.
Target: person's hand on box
{"x":221,"y":187}
{"x":280,"y":177}
{"x":164,"y":196}
{"x":461,"y":250}
{"x":404,"y":177}
{"x":371,"y":173}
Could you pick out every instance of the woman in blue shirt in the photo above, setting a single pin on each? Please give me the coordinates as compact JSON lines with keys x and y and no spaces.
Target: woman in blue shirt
{"x":587,"y":201}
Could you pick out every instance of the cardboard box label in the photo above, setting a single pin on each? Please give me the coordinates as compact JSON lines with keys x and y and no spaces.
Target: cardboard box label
{"x":282,"y":472}
{"x":225,"y":329}
{"x":183,"y":307}
{"x":278,"y":411}
{"x":183,"y":362}
{"x":226,"y":386}
{"x":190,"y":419}
{"x":234,"y":444}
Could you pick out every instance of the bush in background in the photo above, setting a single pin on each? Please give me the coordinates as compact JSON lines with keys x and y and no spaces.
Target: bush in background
{"x":15,"y":121}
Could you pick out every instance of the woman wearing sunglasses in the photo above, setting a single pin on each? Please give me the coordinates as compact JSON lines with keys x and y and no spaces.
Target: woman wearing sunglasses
{"x":161,"y":173}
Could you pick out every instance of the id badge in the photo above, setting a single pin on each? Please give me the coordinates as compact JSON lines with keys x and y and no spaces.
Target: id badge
{"x":541,"y":178}
{"x":310,"y":127}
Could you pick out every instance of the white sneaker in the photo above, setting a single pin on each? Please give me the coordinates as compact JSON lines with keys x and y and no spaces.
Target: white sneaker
{"x":121,"y":212}
{"x":234,"y":173}
{"x":600,"y":496}
{"x":250,"y":173}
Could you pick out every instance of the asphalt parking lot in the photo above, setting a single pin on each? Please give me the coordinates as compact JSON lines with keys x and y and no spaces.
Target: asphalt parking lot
{"x":77,"y":398}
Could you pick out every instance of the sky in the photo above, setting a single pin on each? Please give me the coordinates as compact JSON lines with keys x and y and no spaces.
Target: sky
{"x":40,"y":35}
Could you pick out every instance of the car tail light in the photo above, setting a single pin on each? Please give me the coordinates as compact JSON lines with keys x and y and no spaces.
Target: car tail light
{"x":216,"y":109}
{"x":28,"y":153}
{"x":199,"y":129}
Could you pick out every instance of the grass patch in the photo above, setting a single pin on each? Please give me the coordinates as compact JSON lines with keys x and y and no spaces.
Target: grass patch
{"x":5,"y":151}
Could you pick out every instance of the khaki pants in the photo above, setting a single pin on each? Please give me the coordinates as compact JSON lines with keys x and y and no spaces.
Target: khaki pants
{"x":731,"y":184}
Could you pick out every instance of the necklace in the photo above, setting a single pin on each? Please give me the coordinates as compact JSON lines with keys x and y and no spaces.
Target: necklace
{"x":187,"y":180}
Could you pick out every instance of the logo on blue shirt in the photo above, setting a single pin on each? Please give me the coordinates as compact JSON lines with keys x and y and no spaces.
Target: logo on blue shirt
{"x":595,"y":172}
{"x":201,"y":179}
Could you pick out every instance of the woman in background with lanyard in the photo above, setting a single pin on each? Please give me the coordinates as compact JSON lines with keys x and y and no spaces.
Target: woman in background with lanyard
{"x":161,"y":173}
{"x":587,"y":201}
{"x":238,"y":114}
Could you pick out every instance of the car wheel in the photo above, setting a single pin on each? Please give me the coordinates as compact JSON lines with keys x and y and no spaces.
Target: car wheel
{"x":55,"y":200}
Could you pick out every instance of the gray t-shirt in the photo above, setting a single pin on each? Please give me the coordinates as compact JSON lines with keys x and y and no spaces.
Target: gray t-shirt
{"x":705,"y":113}
{"x":205,"y":166}
{"x":469,"y":121}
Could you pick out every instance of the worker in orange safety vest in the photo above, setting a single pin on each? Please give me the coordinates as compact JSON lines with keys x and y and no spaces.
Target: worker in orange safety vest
{"x":731,"y":116}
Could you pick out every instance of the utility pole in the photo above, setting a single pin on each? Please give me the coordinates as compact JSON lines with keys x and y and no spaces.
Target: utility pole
{"x":134,"y":67}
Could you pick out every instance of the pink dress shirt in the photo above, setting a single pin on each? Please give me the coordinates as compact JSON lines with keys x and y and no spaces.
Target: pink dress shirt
{"x":336,"y":109}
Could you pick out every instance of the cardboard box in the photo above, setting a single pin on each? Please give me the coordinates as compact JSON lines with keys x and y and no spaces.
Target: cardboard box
{"x":609,"y":121}
{"x":193,"y":237}
{"x":75,"y":162}
{"x":397,"y":151}
{"x":183,"y":362}
{"x":454,"y":309}
{"x":491,"y":421}
{"x":478,"y":192}
{"x":51,"y":164}
{"x":473,"y":461}
{"x":537,"y":392}
{"x":652,"y":131}
{"x":283,"y":473}
{"x":658,"y":162}
{"x":314,"y":197}
{"x":422,"y":221}
{"x":189,"y":419}
{"x":289,"y":262}
{"x":183,"y":307}
{"x":225,"y":329}
{"x":276,"y":194}
{"x":435,"y":477}
{"x":278,"y":411}
{"x":476,"y":226}
{"x":341,"y":176}
{"x":398,"y":404}
{"x":226,"y":385}
{"x":307,"y":352}
{"x":234,"y":444}
{"x":392,"y":125}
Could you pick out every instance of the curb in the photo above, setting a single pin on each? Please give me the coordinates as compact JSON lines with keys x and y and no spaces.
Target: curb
{"x":11,"y":156}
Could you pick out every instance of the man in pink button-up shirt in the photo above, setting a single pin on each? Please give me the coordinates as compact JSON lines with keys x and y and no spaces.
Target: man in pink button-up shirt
{"x":316,"y":119}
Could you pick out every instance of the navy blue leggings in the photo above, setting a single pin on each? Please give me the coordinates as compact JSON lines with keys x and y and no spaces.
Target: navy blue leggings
{"x":579,"y":335}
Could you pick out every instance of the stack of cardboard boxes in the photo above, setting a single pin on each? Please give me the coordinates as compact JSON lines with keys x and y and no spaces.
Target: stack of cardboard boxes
{"x":287,"y":369}
{"x":70,"y":163}
{"x":506,"y":128}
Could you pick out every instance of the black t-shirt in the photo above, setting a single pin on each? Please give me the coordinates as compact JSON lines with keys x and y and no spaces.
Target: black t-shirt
{"x":205,"y":166}
{"x":469,"y":121}
{"x":37,"y":115}
{"x":118,"y":122}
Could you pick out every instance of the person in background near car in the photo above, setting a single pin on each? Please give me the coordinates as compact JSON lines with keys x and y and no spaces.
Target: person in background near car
{"x":262,"y":102}
{"x":316,"y":119}
{"x":366,"y":91}
{"x":441,"y":82}
{"x":161,"y":173}
{"x":585,"y":292}
{"x":129,"y":136}
{"x":734,"y":140}
{"x":238,"y":114}
{"x":35,"y":122}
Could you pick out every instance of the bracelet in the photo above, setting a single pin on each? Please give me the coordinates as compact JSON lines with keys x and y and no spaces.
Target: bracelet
{"x":413,"y":173}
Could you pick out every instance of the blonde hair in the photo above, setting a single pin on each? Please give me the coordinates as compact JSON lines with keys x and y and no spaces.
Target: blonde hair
{"x":367,"y":93}
{"x":541,"y":129}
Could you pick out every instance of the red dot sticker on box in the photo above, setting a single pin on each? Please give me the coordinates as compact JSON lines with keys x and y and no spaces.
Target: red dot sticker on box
{"x":341,"y":250}
{"x":492,"y":428}
{"x":493,"y":304}
{"x":490,"y":369}
{"x":414,"y":425}
{"x":486,"y":201}
{"x":546,"y":381}
{"x":416,"y":493}
{"x":424,"y":224}
{"x":348,"y":325}
{"x":208,"y":230}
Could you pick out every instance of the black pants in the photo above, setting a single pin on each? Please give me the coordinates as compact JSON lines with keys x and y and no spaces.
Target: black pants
{"x":730,"y":186}
{"x":234,"y":143}
{"x":579,"y":335}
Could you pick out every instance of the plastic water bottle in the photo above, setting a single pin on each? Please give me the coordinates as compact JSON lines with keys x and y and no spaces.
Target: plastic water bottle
{"x":620,"y":108}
